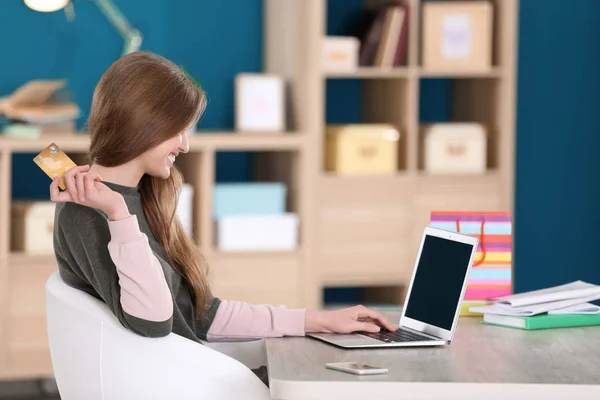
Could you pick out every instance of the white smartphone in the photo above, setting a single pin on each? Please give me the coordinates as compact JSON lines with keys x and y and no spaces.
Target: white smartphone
{"x":356,"y":368}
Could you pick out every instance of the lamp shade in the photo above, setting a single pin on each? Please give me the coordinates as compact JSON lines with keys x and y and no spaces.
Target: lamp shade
{"x":46,"y":5}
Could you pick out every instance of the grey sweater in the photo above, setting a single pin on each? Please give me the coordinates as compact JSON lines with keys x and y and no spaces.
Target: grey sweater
{"x":81,"y":239}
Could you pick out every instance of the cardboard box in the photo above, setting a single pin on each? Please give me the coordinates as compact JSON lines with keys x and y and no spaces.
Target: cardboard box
{"x":457,"y":35}
{"x":33,"y":227}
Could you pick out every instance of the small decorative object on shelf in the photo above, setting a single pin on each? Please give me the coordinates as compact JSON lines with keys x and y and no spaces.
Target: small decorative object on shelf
{"x":457,"y":35}
{"x":259,"y":103}
{"x":32,"y":227}
{"x":454,"y":148}
{"x":340,"y":53}
{"x":361,"y":149}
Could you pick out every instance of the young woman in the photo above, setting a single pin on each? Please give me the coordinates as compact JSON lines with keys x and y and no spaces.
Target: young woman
{"x":117,"y":236}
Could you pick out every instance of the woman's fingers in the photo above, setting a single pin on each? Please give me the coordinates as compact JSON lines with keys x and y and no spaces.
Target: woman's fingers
{"x":81,"y":192}
{"x":56,"y":195}
{"x":70,"y":180}
{"x":365,"y":327}
{"x":89,"y":184}
{"x":376,"y":316}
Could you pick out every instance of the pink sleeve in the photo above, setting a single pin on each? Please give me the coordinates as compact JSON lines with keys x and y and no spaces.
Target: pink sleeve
{"x":239,"y":320}
{"x":144,"y":290}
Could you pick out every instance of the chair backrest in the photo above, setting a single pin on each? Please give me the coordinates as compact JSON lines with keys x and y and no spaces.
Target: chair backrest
{"x":95,"y":358}
{"x":74,"y":321}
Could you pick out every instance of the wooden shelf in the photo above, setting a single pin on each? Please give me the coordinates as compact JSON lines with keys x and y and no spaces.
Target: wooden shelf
{"x":367,"y":228}
{"x":247,"y":141}
{"x":372,"y":72}
{"x":67,"y":142}
{"x":457,"y":178}
{"x":494,"y":72}
{"x":411,"y":72}
{"x":329,"y":176}
{"x":243,"y":255}
{"x":366,"y":279}
{"x":199,"y":141}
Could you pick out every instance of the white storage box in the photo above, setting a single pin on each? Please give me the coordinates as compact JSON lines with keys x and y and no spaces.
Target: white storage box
{"x":340,"y":53}
{"x":32,"y":227}
{"x":257,"y":232}
{"x":454,"y":148}
{"x":185,"y":208}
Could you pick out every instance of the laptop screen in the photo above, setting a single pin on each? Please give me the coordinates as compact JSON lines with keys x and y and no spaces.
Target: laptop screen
{"x":438,"y":281}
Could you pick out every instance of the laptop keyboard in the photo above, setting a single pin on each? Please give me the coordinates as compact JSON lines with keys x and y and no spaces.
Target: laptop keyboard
{"x":400,"y":335}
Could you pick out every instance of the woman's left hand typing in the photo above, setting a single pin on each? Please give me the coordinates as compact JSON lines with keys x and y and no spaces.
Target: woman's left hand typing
{"x":347,"y":320}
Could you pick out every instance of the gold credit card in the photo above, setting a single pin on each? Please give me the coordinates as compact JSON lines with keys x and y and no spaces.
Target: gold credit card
{"x":55,"y":163}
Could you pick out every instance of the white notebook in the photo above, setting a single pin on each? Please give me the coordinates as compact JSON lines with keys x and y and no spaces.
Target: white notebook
{"x":573,"y":290}
{"x":573,"y":296}
{"x":585,"y":308}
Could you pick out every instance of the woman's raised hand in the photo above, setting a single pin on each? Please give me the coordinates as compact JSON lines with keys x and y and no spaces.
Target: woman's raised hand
{"x":85,"y":188}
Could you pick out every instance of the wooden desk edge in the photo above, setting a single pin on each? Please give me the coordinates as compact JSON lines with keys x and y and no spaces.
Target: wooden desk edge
{"x":366,"y":387}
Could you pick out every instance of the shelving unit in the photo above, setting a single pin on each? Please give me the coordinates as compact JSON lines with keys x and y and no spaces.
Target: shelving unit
{"x":24,"y":350}
{"x":358,"y":231}
{"x":365,"y":230}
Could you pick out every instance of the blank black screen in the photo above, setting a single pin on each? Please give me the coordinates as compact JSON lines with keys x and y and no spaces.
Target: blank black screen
{"x":438,"y":281}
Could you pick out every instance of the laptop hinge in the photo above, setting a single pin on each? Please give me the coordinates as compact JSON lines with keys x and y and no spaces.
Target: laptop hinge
{"x":422,"y":333}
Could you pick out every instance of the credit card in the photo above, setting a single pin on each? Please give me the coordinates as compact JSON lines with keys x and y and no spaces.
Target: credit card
{"x":55,"y":163}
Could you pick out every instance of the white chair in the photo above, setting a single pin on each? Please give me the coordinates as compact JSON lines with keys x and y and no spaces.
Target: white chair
{"x":95,"y":358}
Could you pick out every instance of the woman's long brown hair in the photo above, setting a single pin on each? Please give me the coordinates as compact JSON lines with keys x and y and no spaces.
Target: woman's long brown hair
{"x":141,"y":101}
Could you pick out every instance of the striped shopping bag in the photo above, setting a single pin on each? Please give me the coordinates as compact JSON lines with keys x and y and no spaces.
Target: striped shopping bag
{"x":491,"y":274}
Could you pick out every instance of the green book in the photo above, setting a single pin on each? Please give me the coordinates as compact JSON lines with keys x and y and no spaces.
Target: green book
{"x":542,"y":321}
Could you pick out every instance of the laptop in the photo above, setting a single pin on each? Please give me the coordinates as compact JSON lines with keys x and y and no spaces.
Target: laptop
{"x":433,"y":301}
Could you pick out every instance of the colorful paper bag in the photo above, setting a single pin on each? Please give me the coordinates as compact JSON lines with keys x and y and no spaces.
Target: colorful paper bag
{"x":491,"y":274}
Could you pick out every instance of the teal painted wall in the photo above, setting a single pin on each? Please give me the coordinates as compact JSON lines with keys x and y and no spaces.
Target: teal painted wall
{"x":46,"y":46}
{"x":558,"y":123}
{"x":558,"y":141}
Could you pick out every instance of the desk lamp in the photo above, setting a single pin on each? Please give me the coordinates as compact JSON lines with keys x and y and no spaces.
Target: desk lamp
{"x":132,"y":37}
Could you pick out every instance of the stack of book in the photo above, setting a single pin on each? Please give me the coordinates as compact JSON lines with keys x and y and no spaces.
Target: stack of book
{"x":39,"y":107}
{"x":383,"y":35}
{"x":561,"y":306}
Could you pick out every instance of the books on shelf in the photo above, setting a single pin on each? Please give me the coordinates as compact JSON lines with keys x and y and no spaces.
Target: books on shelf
{"x":384,"y":36}
{"x":565,"y":305}
{"x":39,"y":107}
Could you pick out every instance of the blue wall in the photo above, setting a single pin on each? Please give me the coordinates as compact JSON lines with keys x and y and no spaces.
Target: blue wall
{"x":558,"y":129}
{"x":213,"y":50}
{"x":558,"y":141}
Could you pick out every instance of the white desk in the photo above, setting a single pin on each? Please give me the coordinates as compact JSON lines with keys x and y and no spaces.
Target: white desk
{"x":483,"y":362}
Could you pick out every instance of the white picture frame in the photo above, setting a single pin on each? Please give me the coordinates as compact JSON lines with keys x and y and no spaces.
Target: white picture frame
{"x":259,"y":103}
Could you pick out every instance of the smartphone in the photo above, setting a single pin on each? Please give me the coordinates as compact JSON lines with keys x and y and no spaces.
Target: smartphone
{"x":356,"y":368}
{"x":55,"y":163}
